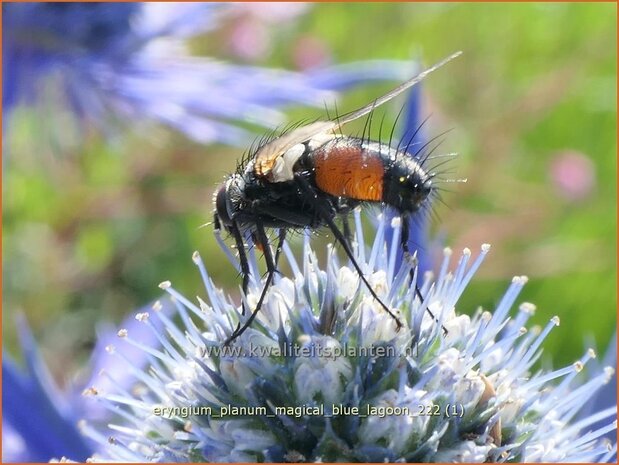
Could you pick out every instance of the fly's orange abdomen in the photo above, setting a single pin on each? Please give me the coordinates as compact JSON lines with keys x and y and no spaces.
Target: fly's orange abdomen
{"x":349,"y":171}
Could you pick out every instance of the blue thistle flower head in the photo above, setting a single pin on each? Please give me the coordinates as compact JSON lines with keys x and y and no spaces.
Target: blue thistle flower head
{"x":323,"y":374}
{"x":79,"y":27}
{"x":40,"y":38}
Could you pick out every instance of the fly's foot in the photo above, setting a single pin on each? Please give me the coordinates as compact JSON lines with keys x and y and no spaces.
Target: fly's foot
{"x":234,"y":335}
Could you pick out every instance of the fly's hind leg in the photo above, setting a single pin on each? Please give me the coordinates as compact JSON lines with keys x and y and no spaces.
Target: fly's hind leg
{"x":346,"y":229}
{"x":343,"y":208}
{"x":271,"y":263}
{"x":326,"y":216}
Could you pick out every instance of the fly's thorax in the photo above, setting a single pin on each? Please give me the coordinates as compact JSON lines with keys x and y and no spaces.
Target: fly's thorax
{"x":284,"y":166}
{"x":282,"y":170}
{"x":406,"y":184}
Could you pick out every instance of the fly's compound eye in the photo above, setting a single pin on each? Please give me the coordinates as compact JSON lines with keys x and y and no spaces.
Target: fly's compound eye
{"x":221,"y":205}
{"x":229,"y":199}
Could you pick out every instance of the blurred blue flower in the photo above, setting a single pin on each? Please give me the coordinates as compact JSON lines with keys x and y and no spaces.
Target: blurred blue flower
{"x":40,"y":420}
{"x":109,"y":61}
{"x":607,"y":397}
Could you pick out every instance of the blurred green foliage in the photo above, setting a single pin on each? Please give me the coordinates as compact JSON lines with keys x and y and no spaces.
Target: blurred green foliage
{"x":92,"y":226}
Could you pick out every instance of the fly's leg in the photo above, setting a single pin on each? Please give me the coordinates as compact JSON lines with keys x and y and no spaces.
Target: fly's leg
{"x":405,"y":227}
{"x":261,"y":245}
{"x":280,"y":245}
{"x":346,"y":228}
{"x":235,"y":230}
{"x":343,"y":208}
{"x":405,"y":222}
{"x":240,"y":245}
{"x":339,"y":236}
{"x":271,"y":263}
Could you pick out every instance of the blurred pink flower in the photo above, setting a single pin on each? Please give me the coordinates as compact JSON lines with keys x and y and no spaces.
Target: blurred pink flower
{"x":572,"y":174}
{"x":250,"y":39}
{"x":275,"y":12}
{"x":311,"y":52}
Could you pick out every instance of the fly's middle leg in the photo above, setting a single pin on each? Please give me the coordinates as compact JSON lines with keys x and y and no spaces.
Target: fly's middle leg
{"x":326,"y":216}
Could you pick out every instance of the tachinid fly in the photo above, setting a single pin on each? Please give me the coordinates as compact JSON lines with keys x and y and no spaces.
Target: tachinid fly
{"x":313,"y":174}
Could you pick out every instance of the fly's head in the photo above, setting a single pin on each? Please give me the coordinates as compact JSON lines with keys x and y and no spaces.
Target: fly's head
{"x":228,"y":201}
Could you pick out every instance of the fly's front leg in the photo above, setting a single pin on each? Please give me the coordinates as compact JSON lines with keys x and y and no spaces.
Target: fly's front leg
{"x":271,"y":269}
{"x":235,"y":230}
{"x":240,"y":245}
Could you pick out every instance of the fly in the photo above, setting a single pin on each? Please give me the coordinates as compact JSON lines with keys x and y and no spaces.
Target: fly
{"x":308,"y":177}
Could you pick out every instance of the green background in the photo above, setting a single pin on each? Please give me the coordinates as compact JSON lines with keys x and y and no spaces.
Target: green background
{"x":92,"y":225}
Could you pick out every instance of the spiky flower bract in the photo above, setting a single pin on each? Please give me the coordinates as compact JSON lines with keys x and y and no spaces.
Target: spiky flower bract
{"x":323,"y":375}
